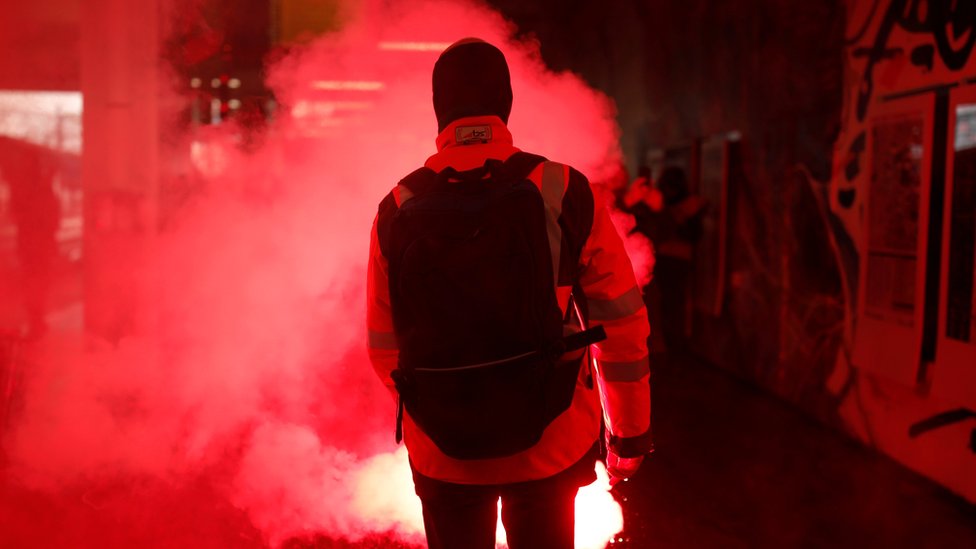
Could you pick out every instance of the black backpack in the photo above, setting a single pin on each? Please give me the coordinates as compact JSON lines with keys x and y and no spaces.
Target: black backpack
{"x":474,"y":309}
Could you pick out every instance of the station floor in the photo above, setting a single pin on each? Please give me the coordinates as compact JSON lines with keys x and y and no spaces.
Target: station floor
{"x":735,"y":467}
{"x":738,"y":468}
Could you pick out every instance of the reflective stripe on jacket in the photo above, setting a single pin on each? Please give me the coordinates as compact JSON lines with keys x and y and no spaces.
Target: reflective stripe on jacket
{"x":610,"y":297}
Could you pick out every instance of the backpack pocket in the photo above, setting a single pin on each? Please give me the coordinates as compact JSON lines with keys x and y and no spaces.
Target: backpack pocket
{"x":490,"y":410}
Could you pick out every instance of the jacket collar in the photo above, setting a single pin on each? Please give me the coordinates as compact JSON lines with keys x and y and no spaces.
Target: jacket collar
{"x":467,"y":142}
{"x":474,"y":130}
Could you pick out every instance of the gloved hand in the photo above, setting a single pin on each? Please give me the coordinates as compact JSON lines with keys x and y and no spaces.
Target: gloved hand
{"x":620,"y":468}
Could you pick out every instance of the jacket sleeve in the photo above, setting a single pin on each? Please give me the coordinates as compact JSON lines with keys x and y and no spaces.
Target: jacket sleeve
{"x":381,"y":341}
{"x":614,"y":300}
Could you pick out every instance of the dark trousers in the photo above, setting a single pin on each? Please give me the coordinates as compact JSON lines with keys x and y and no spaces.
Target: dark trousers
{"x":537,"y":514}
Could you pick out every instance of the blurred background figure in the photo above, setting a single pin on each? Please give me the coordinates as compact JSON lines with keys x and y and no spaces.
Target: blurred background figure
{"x":35,"y":212}
{"x":644,"y":202}
{"x":642,"y":199}
{"x":674,"y":230}
{"x":671,"y":217}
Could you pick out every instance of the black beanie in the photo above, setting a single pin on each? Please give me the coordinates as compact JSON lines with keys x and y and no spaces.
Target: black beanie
{"x":471,"y":79}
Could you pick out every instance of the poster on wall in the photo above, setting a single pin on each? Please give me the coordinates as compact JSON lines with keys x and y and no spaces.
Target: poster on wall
{"x":892,"y":254}
{"x":894,"y":239}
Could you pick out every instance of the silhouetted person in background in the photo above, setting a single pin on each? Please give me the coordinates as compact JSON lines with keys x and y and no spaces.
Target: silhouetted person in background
{"x":675,"y":230}
{"x":477,"y":264}
{"x":36,"y":213}
{"x":644,"y":202}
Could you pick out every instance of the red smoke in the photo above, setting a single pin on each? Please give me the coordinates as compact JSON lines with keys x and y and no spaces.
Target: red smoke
{"x":245,"y":411}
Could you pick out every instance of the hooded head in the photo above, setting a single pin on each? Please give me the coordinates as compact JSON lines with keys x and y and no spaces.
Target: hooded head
{"x":471,"y":78}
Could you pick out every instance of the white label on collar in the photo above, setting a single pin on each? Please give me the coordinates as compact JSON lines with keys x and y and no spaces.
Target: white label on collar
{"x":466,"y":135}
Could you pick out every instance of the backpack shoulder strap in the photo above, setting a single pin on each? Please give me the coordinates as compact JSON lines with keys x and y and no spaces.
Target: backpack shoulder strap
{"x":521,"y":164}
{"x":418,"y":182}
{"x":404,"y":190}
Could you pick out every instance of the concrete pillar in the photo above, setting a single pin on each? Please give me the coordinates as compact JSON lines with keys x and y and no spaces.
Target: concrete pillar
{"x":120,"y":82}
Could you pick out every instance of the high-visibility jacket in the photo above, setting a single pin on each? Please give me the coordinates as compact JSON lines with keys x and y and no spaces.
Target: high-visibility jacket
{"x":611,"y":297}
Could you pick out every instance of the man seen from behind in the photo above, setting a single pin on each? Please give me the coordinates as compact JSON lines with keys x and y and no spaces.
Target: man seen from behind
{"x":491,"y":272}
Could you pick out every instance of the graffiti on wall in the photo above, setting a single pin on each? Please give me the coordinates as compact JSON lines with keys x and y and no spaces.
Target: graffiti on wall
{"x":897,"y":45}
{"x":946,"y":27}
{"x":893,"y":46}
{"x":894,"y":49}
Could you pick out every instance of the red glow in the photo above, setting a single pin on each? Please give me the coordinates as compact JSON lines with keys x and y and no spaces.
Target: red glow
{"x":598,"y":515}
{"x":247,"y":366}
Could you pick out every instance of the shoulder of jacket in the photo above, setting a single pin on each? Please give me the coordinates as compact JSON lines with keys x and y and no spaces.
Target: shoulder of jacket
{"x":577,"y":176}
{"x":574,"y":182}
{"x":388,"y":205}
{"x":391,"y":202}
{"x":572,"y":173}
